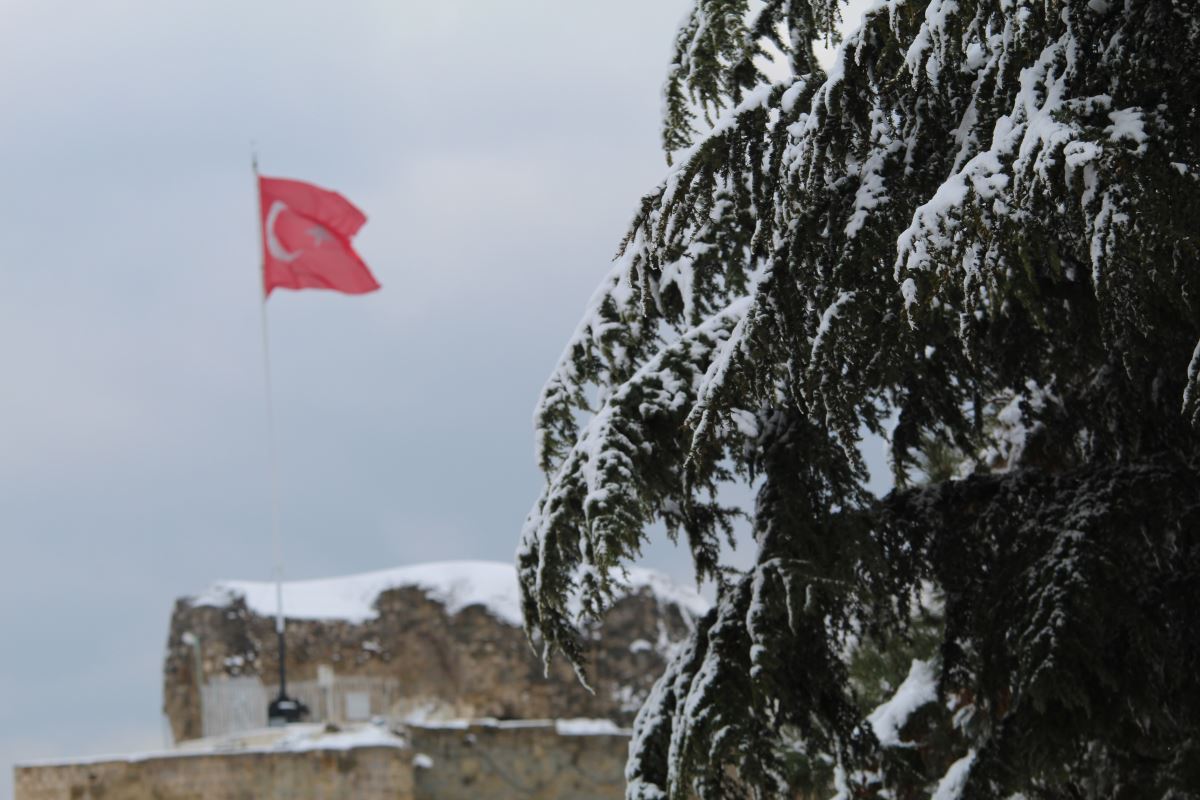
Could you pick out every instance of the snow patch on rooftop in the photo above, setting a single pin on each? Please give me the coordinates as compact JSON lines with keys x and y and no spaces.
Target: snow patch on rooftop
{"x":455,"y":584}
{"x":297,"y":739}
{"x":301,"y":737}
{"x":589,"y":727}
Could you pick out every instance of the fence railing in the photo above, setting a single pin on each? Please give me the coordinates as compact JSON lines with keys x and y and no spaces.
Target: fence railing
{"x":230,"y":705}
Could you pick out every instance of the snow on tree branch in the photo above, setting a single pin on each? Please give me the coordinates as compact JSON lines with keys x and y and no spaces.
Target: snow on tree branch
{"x":977,"y":233}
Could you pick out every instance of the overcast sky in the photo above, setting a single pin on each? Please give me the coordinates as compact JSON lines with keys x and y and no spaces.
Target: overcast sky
{"x":498,"y":150}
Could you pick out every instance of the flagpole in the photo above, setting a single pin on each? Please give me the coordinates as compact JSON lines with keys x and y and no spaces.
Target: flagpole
{"x":283,"y":709}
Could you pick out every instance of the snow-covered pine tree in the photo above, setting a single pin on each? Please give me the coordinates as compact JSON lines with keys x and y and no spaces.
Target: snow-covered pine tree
{"x":980,"y":223}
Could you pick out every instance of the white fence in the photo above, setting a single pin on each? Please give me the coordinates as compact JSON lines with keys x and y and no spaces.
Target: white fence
{"x":230,"y":705}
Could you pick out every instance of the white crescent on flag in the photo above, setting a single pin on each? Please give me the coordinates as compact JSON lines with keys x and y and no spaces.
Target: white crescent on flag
{"x":274,"y":247}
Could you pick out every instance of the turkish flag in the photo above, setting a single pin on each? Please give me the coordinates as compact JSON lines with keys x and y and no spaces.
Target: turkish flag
{"x":306,"y":234}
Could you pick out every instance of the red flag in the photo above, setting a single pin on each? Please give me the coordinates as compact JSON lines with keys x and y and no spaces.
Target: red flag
{"x":306,"y":239}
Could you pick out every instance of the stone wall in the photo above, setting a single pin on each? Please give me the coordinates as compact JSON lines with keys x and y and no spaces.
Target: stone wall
{"x":370,"y":773}
{"x":517,"y":762}
{"x":494,"y":761}
{"x":469,"y":664}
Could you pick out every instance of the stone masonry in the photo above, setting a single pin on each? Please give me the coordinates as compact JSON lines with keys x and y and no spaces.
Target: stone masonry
{"x":470,"y":664}
{"x":528,"y":761}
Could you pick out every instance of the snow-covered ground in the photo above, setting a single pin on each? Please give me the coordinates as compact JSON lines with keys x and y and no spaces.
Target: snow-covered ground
{"x":455,"y":584}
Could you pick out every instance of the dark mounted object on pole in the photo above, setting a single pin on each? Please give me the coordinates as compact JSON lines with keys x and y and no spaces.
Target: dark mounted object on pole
{"x":284,"y":709}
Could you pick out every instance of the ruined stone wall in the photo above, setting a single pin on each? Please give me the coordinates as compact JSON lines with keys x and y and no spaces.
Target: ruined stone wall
{"x":370,"y":773}
{"x":517,"y":763}
{"x":528,"y":762}
{"x":470,"y":664}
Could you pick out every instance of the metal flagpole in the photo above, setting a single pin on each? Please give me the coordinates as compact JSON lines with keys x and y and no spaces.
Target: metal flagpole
{"x":282,"y":709}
